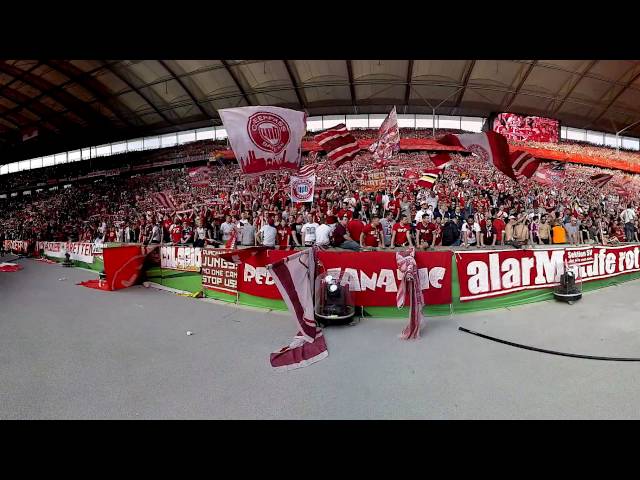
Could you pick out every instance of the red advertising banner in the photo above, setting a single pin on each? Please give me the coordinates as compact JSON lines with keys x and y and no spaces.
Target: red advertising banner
{"x":16,"y":246}
{"x":217,"y":274}
{"x":376,"y":279}
{"x":491,"y":273}
{"x":253,"y":277}
{"x":375,"y":276}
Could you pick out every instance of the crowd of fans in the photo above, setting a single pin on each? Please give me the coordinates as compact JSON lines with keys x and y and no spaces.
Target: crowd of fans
{"x":472,"y":204}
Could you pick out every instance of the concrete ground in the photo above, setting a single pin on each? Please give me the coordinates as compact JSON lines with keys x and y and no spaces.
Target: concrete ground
{"x":69,"y":352}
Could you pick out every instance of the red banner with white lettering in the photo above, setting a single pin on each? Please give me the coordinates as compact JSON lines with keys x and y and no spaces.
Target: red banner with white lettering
{"x":217,"y":274}
{"x":374,"y":275}
{"x":494,"y":273}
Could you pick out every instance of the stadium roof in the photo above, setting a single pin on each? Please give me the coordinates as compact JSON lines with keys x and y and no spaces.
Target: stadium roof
{"x":78,"y":103}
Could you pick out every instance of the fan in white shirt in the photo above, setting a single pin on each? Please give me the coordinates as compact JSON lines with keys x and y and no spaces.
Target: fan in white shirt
{"x":323,"y":235}
{"x":309,"y":232}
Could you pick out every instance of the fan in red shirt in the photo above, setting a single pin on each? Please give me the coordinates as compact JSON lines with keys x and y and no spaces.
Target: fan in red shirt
{"x":394,"y":206}
{"x":372,"y":234}
{"x":176,"y":232}
{"x":499,"y":226}
{"x":400,"y":233}
{"x":424,"y":233}
{"x":283,"y":234}
{"x":355,"y":227}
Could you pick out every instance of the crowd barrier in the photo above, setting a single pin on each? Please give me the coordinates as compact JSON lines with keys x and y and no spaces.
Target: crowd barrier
{"x":451,"y":281}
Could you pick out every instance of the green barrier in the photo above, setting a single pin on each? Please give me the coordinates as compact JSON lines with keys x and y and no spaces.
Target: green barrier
{"x":97,"y":265}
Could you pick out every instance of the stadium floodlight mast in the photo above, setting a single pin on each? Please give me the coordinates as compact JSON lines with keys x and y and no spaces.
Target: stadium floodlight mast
{"x":618,"y":134}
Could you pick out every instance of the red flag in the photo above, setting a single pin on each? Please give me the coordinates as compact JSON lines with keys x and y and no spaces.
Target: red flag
{"x":10,"y":267}
{"x":441,"y":160}
{"x":411,"y":175}
{"x":307,"y":171}
{"x":294,"y":276}
{"x":490,"y":146}
{"x":524,"y":164}
{"x":388,"y":143}
{"x":339,"y":144}
{"x":601,"y":179}
{"x":240,"y":255}
{"x":165,"y":199}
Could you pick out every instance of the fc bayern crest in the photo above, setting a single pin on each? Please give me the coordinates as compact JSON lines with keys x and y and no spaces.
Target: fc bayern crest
{"x":479,"y":150}
{"x":268,"y":131}
{"x":302,"y":189}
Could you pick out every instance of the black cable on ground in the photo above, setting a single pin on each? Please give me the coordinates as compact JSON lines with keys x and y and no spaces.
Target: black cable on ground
{"x":551,"y":352}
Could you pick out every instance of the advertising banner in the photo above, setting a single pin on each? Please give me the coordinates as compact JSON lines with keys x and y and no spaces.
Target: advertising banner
{"x":493,"y":273}
{"x":16,"y":246}
{"x":375,"y":276}
{"x":176,"y":257}
{"x":78,"y":251}
{"x":217,"y":274}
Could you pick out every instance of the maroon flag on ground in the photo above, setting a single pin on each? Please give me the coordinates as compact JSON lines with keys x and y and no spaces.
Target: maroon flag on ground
{"x":164,"y":199}
{"x":601,"y":179}
{"x":490,"y":146}
{"x":294,"y":276}
{"x":339,"y":144}
{"x":10,"y":267}
{"x":388,"y":143}
{"x":524,"y":164}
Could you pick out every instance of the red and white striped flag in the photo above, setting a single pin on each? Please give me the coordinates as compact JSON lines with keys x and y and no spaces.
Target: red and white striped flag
{"x":339,"y":144}
{"x":165,"y":199}
{"x":233,"y":238}
{"x":601,"y":179}
{"x":294,"y":276}
{"x":524,"y":164}
{"x":490,"y":146}
{"x":410,"y":285}
{"x":10,"y":267}
{"x":307,"y":170}
{"x":388,"y":143}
